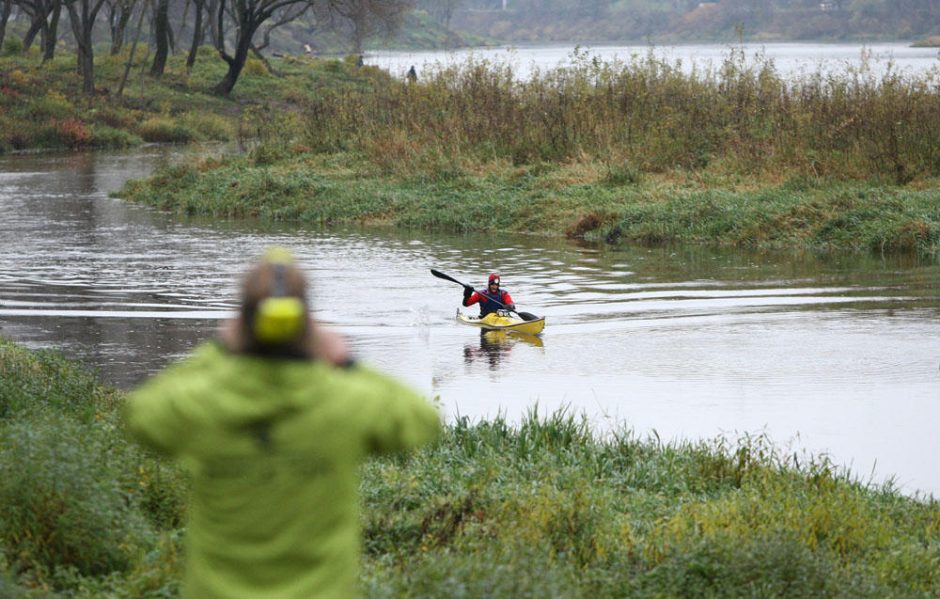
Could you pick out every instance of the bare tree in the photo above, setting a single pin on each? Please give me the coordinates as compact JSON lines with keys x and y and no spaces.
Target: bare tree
{"x":247,"y":17}
{"x":119,"y":13}
{"x":364,"y":19}
{"x":82,"y":16}
{"x":287,"y":15}
{"x":5,"y":9}
{"x":161,"y":33}
{"x":52,"y":31}
{"x":37,"y":14}
{"x":130,"y":57}
{"x":441,"y":10}
{"x":44,"y":22}
{"x":199,"y":32}
{"x":212,"y":25}
{"x":181,"y":20}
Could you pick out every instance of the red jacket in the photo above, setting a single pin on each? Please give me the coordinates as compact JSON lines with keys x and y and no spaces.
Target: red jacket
{"x":487,"y":303}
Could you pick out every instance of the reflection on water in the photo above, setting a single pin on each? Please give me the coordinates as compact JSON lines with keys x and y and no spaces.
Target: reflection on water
{"x":496,"y":346}
{"x":835,"y":354}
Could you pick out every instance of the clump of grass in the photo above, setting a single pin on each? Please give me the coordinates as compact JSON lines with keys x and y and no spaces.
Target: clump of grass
{"x":79,"y":506}
{"x":165,"y":130}
{"x":51,"y":105}
{"x":256,"y":68}
{"x":117,"y":118}
{"x":623,"y":173}
{"x":104,"y":136}
{"x":46,"y":382}
{"x":209,"y":126}
{"x":63,"y":498}
{"x":12,"y":46}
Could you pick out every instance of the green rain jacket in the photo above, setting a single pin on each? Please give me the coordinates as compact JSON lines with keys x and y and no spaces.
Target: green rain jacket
{"x":274,"y":446}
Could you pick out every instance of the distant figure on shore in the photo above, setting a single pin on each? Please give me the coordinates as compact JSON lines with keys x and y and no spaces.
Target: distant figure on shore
{"x":360,"y":61}
{"x":273,"y":419}
{"x":412,"y":74}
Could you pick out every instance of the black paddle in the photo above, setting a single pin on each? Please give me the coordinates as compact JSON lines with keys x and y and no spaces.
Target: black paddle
{"x":440,"y":275}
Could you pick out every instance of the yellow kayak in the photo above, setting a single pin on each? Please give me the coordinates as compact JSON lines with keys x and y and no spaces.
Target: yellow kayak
{"x":504,"y":321}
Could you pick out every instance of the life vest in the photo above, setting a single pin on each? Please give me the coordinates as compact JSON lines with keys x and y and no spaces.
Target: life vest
{"x":487,"y":305}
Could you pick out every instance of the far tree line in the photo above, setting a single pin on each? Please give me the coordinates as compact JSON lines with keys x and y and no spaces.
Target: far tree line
{"x":658,"y":17}
{"x":239,"y":28}
{"x":235,"y":28}
{"x":561,"y":7}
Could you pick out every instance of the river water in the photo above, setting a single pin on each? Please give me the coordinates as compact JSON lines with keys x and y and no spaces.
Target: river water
{"x":833,"y":354}
{"x":791,"y":60}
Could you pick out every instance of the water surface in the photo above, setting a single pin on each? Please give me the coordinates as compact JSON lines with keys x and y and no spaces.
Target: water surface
{"x":791,"y":60}
{"x":835,"y":354}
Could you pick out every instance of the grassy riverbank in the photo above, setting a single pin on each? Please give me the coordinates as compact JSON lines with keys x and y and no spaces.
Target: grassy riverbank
{"x":577,"y":200}
{"x":544,"y":508}
{"x":42,"y":106}
{"x":640,"y":151}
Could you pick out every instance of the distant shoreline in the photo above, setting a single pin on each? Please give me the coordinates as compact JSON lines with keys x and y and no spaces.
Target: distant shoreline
{"x":930,"y":42}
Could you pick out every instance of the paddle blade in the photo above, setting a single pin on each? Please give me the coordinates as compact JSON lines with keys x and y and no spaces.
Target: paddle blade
{"x":441,"y":275}
{"x":527,"y":316}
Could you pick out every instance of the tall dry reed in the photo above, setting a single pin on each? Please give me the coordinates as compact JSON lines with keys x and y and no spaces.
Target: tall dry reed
{"x":742,"y":116}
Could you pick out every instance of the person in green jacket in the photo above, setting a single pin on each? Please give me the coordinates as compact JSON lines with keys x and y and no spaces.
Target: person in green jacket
{"x":273,"y":420}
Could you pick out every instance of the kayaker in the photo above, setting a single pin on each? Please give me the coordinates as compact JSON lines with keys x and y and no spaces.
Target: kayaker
{"x":274,"y":419}
{"x":491,"y":300}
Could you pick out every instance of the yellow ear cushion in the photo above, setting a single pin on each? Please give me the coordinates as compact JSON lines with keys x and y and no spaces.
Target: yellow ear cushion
{"x":279,"y":320}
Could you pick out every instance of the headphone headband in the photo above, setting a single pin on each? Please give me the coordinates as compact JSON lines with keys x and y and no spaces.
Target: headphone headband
{"x":278,"y":254}
{"x":280,"y":317}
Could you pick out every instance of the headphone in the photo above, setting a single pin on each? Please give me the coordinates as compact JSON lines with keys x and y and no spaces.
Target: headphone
{"x":280,"y":318}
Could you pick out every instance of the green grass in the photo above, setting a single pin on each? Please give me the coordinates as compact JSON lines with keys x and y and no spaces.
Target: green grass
{"x":542,"y":508}
{"x":42,"y":107}
{"x":38,"y":383}
{"x":547,"y":509}
{"x":81,"y":510}
{"x":556,"y":200}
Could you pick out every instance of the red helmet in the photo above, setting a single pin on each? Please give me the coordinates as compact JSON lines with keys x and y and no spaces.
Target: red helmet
{"x":494,"y":278}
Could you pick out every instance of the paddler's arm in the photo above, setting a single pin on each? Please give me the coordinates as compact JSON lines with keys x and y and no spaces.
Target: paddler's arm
{"x":470,"y":296}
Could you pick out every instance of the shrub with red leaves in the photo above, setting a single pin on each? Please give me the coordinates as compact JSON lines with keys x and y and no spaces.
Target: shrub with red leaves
{"x":73,"y":133}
